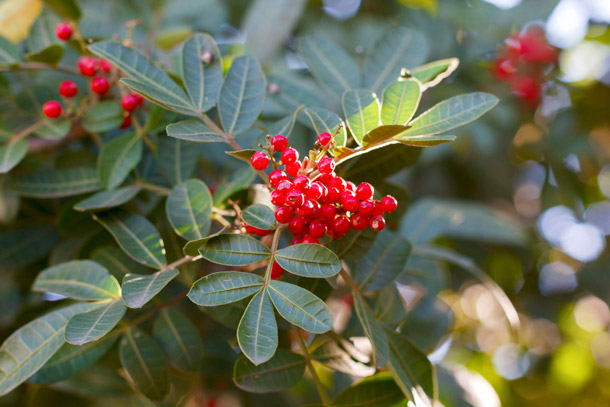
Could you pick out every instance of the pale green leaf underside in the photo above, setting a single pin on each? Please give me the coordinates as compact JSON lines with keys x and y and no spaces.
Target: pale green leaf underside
{"x":108,"y":199}
{"x":138,"y":289}
{"x":118,"y":158}
{"x":189,"y":209}
{"x":260,"y":216}
{"x":194,"y":130}
{"x":224,"y":287}
{"x":234,"y":250}
{"x":11,"y":154}
{"x":257,"y":331}
{"x":94,"y":324}
{"x":400,"y":101}
{"x":201,"y":79}
{"x":57,"y":183}
{"x":308,"y":260}
{"x":362,"y":110}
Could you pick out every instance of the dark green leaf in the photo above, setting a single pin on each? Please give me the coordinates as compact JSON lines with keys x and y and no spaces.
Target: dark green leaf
{"x":11,"y":154}
{"x":383,"y":262}
{"x":118,"y":158}
{"x":243,"y":155}
{"x":104,"y":116}
{"x":355,"y":243}
{"x":202,"y":79}
{"x":54,"y":129}
{"x":283,"y":371}
{"x":400,"y":102}
{"x":332,"y":355}
{"x":177,"y":159}
{"x":189,"y":209}
{"x":192,"y":248}
{"x":194,"y":130}
{"x":257,"y":330}
{"x":20,"y":247}
{"x":308,"y":260}
{"x":362,"y":110}
{"x":107,"y":199}
{"x":241,"y":179}
{"x":234,"y":250}
{"x":260,"y":216}
{"x":224,"y":288}
{"x":49,"y":55}
{"x":65,"y":8}
{"x":57,"y":183}
{"x":138,"y":289}
{"x":179,"y":339}
{"x":373,"y":330}
{"x":375,"y":391}
{"x":291,"y":93}
{"x":380,"y":163}
{"x":9,"y":53}
{"x":42,"y":44}
{"x":92,"y":325}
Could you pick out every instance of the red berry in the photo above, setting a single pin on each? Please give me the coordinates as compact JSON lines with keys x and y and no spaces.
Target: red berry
{"x":339,"y":183}
{"x":309,"y":239}
{"x":126,"y":123}
{"x":389,"y":203}
{"x":377,"y":223}
{"x":308,"y":210}
{"x":367,"y":208}
{"x":377,"y":208}
{"x":342,"y":224}
{"x":284,"y":186}
{"x":294,"y":168}
{"x":326,"y":165}
{"x":297,"y":226}
{"x":100,"y":85}
{"x":52,"y":109}
{"x":327,"y":212}
{"x":279,"y":143}
{"x":87,"y":66}
{"x":528,"y":89}
{"x":325,"y":178}
{"x":350,"y":204}
{"x":324,"y":138}
{"x":317,"y":229}
{"x":333,"y":195}
{"x":259,"y":161}
{"x":302,"y":183}
{"x":255,"y":231}
{"x":105,"y":66}
{"x":365,"y":191}
{"x":130,"y":102}
{"x":275,"y":177}
{"x":316,"y":191}
{"x":350,"y":186}
{"x":359,"y":221}
{"x":295,"y":198}
{"x":297,"y":240}
{"x":283,"y":214}
{"x":289,"y":156}
{"x":63,"y":31}
{"x":276,"y":271}
{"x":504,"y":68}
{"x":277,"y":198}
{"x":68,"y":89}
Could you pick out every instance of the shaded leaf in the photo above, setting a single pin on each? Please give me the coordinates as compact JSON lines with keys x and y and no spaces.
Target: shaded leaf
{"x":20,"y":247}
{"x":292,"y":93}
{"x":138,"y":289}
{"x":361,"y":109}
{"x":118,"y":158}
{"x":177,"y":159}
{"x":283,"y":371}
{"x":189,"y":209}
{"x":335,"y":357}
{"x":192,"y":248}
{"x":260,"y":216}
{"x":194,"y":130}
{"x":239,"y":180}
{"x":257,"y":330}
{"x":325,"y":121}
{"x":243,"y":155}
{"x":11,"y":154}
{"x":201,"y":79}
{"x":9,"y":53}
{"x":234,"y":250}
{"x":104,"y":116}
{"x":373,"y":331}
{"x":92,"y":325}
{"x":108,"y":199}
{"x":179,"y":339}
{"x":308,"y":260}
{"x":57,"y":183}
{"x":379,"y":163}
{"x":224,"y":287}
{"x":425,"y":141}
{"x":355,"y":243}
{"x":54,"y":129}
{"x":66,"y":8}
{"x":400,"y":101}
{"x":375,"y":391}
{"x":381,"y":134}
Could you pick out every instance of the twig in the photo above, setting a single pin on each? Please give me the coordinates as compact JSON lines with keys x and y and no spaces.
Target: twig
{"x":274,"y":243}
{"x":310,"y":366}
{"x":37,"y":66}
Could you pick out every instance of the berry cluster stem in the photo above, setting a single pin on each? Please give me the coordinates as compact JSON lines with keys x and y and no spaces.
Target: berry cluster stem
{"x":274,"y":244}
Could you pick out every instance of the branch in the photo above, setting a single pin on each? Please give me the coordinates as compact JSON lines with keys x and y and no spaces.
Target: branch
{"x":312,"y":369}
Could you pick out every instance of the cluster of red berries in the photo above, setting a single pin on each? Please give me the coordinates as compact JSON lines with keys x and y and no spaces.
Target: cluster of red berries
{"x":312,"y":199}
{"x":523,"y":62}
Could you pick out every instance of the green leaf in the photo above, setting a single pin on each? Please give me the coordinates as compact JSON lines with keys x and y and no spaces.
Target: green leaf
{"x":54,"y":129}
{"x":78,"y":279}
{"x":400,"y":102}
{"x":108,"y":199}
{"x":169,"y":38}
{"x":9,"y":53}
{"x":426,"y":141}
{"x":433,"y":73}
{"x":138,"y":289}
{"x":70,"y":360}
{"x":23,"y":246}
{"x":179,"y":340}
{"x":242,"y":95}
{"x":9,"y":202}
{"x":243,"y":155}
{"x":257,"y":330}
{"x":92,"y":325}
{"x":234,"y":250}
{"x":136,"y":236}
{"x":379,"y":163}
{"x":430,"y":218}
{"x":412,"y":370}
{"x":118,"y":158}
{"x":290,"y":93}
{"x":42,"y":44}
{"x":194,"y":130}
{"x":308,"y":260}
{"x":11,"y":154}
{"x":57,"y":183}
{"x":27,"y":349}
{"x":329,"y":63}
{"x":224,"y":288}
{"x":260,"y":216}
{"x":281,"y":372}
{"x":240,"y":179}
{"x":116,"y":261}
{"x":383,"y":262}
{"x":325,"y":121}
{"x":451,"y":113}
{"x":104,"y":116}
{"x":337,"y":358}
{"x":373,"y":330}
{"x":189,"y":209}
{"x":355,"y":243}
{"x":144,"y":363}
{"x":286,"y":125}
{"x":361,"y":109}
{"x":66,"y":8}
{"x":396,"y":48}
{"x":381,"y":134}
{"x":300,"y":307}
{"x":375,"y":391}
{"x":49,"y":55}
{"x":147,"y":78}
{"x":177,"y":159}
{"x":192,"y":248}
{"x":201,"y":79}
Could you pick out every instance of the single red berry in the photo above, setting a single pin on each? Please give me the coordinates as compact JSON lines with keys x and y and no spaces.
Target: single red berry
{"x":87,"y":66}
{"x":310,"y":239}
{"x":295,"y":198}
{"x":504,"y":68}
{"x":365,"y":191}
{"x":259,"y":161}
{"x":52,"y":109}
{"x":327,"y":212}
{"x":130,"y":102}
{"x":140,"y":98}
{"x":389,"y":203}
{"x":255,"y":231}
{"x":289,"y":156}
{"x":367,"y":208}
{"x":284,"y":186}
{"x":377,"y":208}
{"x":279,"y":143}
{"x":68,"y":89}
{"x":63,"y":31}
{"x":333,"y":195}
{"x":126,"y":123}
{"x":297,"y":240}
{"x":326,"y":165}
{"x":277,"y":198}
{"x":275,"y":177}
{"x":342,"y":224}
{"x":528,"y":89}
{"x":350,"y":204}
{"x":297,"y":226}
{"x":359,"y":221}
{"x":294,"y":168}
{"x":276,"y":271}
{"x":324,"y":138}
{"x":330,"y":227}
{"x":100,"y":85}
{"x":283,"y":214}
{"x":302,"y":183}
{"x":377,"y":223}
{"x":350,"y":186}
{"x":339,"y":183}
{"x":316,"y":191}
{"x":317,"y":229}
{"x":105,"y":66}
{"x":308,"y":210}
{"x":325,"y":178}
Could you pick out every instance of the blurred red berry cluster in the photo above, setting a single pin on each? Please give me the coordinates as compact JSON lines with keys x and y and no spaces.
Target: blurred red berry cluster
{"x":524,"y":62}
